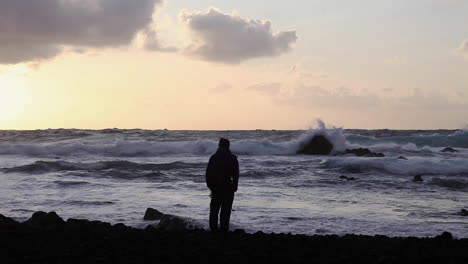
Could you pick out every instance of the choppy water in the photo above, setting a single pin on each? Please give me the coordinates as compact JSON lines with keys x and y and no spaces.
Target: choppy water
{"x":114,"y":175}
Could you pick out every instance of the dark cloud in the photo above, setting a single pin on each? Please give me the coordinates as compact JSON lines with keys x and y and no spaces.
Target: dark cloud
{"x":38,"y":29}
{"x":232,"y":39}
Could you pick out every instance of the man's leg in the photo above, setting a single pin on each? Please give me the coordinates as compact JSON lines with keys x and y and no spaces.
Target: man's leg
{"x":215,"y":205}
{"x":226,"y":208}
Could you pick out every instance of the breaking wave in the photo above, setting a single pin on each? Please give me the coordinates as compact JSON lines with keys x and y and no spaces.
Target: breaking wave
{"x":414,"y":166}
{"x":457,"y":139}
{"x":40,"y":167}
{"x":122,"y":148}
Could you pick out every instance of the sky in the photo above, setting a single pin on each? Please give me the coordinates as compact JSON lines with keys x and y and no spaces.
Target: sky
{"x":233,"y":64}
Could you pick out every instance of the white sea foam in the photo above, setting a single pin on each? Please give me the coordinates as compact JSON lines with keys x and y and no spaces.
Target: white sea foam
{"x":394,"y":166}
{"x":123,"y":148}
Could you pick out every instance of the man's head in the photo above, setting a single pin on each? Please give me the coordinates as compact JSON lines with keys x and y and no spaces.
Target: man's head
{"x":224,"y":143}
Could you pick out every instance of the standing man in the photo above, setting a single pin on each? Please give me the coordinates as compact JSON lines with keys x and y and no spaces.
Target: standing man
{"x":222,"y":177}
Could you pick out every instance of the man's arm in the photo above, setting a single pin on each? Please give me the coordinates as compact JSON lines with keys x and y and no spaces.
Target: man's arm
{"x":209,"y":174}
{"x":235,"y":175}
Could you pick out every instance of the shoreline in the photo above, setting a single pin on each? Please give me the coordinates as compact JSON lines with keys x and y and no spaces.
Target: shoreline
{"x":47,"y":238}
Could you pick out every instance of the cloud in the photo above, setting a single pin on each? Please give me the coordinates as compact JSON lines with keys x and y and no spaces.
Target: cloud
{"x":269,"y":88}
{"x":463,"y":47}
{"x":229,"y":38}
{"x":153,"y":43}
{"x":222,"y":87}
{"x":296,"y":89}
{"x":313,"y":97}
{"x":397,"y":60}
{"x":33,"y":30}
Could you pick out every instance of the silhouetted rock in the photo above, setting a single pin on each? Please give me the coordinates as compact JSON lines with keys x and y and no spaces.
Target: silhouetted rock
{"x":449,"y":149}
{"x":463,"y":212}
{"x":152,"y":214}
{"x":364,"y":152}
{"x":7,"y":220}
{"x":343,"y":177}
{"x":351,"y":179}
{"x":98,"y":242}
{"x":444,"y":236}
{"x":120,"y":227}
{"x":239,"y":231}
{"x":45,"y":220}
{"x":418,"y":178}
{"x":318,"y":145}
{"x":402,"y":158}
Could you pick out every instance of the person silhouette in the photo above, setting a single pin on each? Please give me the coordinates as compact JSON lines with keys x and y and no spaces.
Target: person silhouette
{"x":222,"y":177}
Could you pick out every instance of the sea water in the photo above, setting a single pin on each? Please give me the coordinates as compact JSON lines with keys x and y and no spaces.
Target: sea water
{"x":114,"y":175}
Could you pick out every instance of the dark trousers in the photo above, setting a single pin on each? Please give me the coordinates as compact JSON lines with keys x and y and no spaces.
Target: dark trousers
{"x":221,"y":200}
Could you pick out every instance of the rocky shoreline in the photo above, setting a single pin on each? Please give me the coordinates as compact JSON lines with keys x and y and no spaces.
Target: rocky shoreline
{"x":47,"y":238}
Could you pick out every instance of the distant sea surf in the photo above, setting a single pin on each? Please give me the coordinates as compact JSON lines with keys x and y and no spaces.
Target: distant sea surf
{"x":114,"y":175}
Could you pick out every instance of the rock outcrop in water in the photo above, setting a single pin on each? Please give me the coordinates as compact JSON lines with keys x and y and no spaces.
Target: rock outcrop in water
{"x":152,"y":214}
{"x":418,"y":178}
{"x":317,"y":145}
{"x":449,"y":149}
{"x":463,"y":212}
{"x":343,"y":177}
{"x":364,"y":152}
{"x":83,"y":241}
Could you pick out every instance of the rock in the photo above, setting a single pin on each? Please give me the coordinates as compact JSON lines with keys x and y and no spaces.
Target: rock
{"x":239,"y":231}
{"x":120,"y":227}
{"x":7,"y":220}
{"x":343,"y":177}
{"x":364,"y":152}
{"x":449,"y":149}
{"x":76,"y":224}
{"x":463,"y":212}
{"x":318,"y":145}
{"x":173,"y":223}
{"x":45,"y":220}
{"x":152,"y":214}
{"x":351,"y":179}
{"x":418,"y":178}
{"x":444,"y":236}
{"x":402,"y":158}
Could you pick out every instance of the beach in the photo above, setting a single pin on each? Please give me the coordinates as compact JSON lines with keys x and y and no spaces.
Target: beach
{"x":47,"y":238}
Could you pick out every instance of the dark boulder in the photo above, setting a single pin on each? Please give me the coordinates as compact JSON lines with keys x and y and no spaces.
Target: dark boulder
{"x":7,"y":221}
{"x":240,"y":232}
{"x":444,"y":236}
{"x":402,"y":158}
{"x":418,"y":178}
{"x":343,"y":177}
{"x":77,"y":224}
{"x":318,"y":145}
{"x":463,"y":212}
{"x":449,"y":149}
{"x":120,"y":227}
{"x":45,"y":220}
{"x":152,"y":214}
{"x":364,"y":152}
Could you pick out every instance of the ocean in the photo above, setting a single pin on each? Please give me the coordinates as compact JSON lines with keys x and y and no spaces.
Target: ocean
{"x":113,"y":175}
